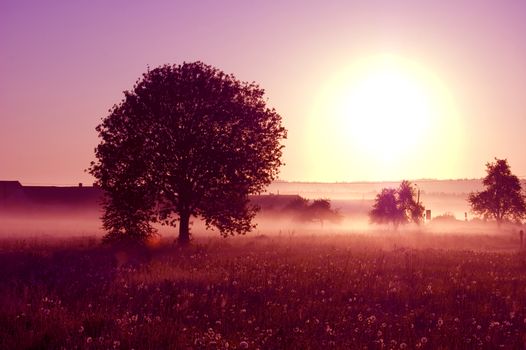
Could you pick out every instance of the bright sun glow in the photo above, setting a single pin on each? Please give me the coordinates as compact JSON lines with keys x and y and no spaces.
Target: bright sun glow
{"x":384,"y":115}
{"x":386,"y":112}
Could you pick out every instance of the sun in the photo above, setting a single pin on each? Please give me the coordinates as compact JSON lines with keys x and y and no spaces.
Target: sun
{"x":385,"y":112}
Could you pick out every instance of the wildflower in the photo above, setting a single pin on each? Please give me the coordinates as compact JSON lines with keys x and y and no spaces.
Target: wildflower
{"x":81,"y":329}
{"x":403,"y":346}
{"x":328,"y":328}
{"x":423,"y":340}
{"x":243,"y":345}
{"x":89,"y":340}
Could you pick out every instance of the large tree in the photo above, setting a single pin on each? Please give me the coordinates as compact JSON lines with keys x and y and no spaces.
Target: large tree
{"x":188,"y":140}
{"x":397,"y":206}
{"x":502,"y":198}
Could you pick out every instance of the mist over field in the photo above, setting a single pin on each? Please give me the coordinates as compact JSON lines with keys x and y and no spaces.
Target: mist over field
{"x":50,"y":215}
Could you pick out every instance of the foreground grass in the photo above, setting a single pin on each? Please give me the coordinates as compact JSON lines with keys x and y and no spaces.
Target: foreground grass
{"x":267,"y":293}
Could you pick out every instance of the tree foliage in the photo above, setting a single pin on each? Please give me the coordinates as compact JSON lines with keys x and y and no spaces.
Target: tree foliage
{"x":502,"y":198}
{"x":397,"y":206}
{"x":188,"y":140}
{"x":319,"y":210}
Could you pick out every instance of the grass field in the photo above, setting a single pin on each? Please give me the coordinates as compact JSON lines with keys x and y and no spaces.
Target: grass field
{"x":310,"y":292}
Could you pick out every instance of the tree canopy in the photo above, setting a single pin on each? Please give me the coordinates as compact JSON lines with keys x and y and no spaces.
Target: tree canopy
{"x":188,"y":140}
{"x":502,"y":198}
{"x":319,"y":210}
{"x":397,"y":206}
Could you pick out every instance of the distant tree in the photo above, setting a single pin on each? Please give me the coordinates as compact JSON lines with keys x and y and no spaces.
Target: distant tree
{"x":446,"y":217}
{"x":397,"y":206}
{"x":502,"y":198}
{"x":385,"y":208}
{"x":319,"y":210}
{"x":298,"y":209}
{"x":188,"y":140}
{"x":297,"y":205}
{"x":412,"y":209}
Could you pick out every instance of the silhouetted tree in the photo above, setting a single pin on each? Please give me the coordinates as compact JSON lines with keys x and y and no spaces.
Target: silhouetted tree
{"x":298,"y":203}
{"x":385,"y":208}
{"x":188,"y":140}
{"x":412,"y":209}
{"x":320,"y":210}
{"x":396,"y":206}
{"x":502,"y":198}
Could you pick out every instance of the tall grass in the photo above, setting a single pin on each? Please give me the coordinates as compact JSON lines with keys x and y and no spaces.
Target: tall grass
{"x":268,"y":293}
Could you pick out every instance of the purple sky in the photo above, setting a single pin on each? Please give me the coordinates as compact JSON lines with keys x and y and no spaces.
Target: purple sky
{"x":63,"y":64}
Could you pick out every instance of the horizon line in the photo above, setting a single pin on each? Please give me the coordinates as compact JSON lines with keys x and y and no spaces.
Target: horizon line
{"x":76,"y":184}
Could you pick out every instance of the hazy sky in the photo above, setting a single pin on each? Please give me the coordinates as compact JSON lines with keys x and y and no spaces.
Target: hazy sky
{"x":369,"y":90}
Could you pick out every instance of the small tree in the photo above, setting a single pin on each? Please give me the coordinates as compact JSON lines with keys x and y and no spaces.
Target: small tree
{"x":396,"y":206}
{"x":188,"y":140}
{"x":412,"y":209}
{"x":502,"y":198}
{"x":320,"y":210}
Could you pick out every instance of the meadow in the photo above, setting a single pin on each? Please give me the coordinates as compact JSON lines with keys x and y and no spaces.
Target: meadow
{"x":374,"y":291}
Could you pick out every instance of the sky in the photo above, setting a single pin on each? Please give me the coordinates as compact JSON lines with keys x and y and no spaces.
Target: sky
{"x":368,"y":90}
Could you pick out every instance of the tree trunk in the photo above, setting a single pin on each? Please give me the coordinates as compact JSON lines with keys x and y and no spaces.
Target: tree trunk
{"x":499,"y":219}
{"x":184,"y":228}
